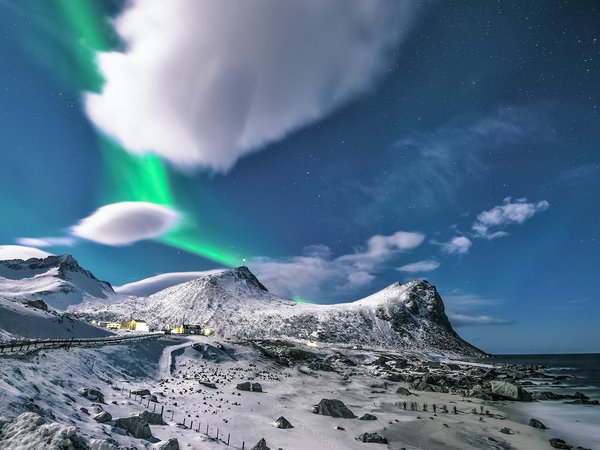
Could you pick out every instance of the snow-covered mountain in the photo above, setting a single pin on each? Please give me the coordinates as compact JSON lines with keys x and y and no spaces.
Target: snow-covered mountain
{"x":235,"y":304}
{"x":59,"y":281}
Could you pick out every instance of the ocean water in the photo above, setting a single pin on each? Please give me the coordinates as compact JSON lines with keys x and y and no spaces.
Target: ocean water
{"x":583,"y":368}
{"x":576,"y":424}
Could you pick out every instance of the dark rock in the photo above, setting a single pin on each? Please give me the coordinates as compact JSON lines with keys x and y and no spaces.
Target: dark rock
{"x":373,"y":438}
{"x":283,"y":423}
{"x":103,"y":417}
{"x":152,"y":418}
{"x":84,"y":410}
{"x":506,"y":430}
{"x":142,"y":392}
{"x":537,"y":424}
{"x":39,"y":304}
{"x":261,"y":445}
{"x":93,"y":395}
{"x":509,"y":391}
{"x":368,"y":417}
{"x":251,"y":387}
{"x":171,"y":444}
{"x":135,"y":426}
{"x":208,"y":385}
{"x":333,"y":408}
{"x":559,"y":443}
{"x":581,"y":396}
{"x":403,"y":391}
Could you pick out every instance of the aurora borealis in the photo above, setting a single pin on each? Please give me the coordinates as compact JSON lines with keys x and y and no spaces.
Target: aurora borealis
{"x":448,"y":141}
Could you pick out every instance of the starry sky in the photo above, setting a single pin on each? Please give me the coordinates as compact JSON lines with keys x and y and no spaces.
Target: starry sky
{"x":332,"y":147}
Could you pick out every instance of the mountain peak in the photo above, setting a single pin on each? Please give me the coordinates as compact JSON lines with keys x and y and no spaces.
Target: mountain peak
{"x":245,"y":273}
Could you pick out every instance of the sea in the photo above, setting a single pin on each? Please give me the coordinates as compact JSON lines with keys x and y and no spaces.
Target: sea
{"x":576,"y":424}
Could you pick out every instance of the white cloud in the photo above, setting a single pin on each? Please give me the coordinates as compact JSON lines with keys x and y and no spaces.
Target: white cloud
{"x":420,"y":266}
{"x":202,"y":82}
{"x":490,"y":224}
{"x":458,"y":245}
{"x":461,"y":320}
{"x":151,"y":285}
{"x":380,"y":248}
{"x":47,"y":241}
{"x":318,"y":276}
{"x":126,"y":222}
{"x":8,"y":252}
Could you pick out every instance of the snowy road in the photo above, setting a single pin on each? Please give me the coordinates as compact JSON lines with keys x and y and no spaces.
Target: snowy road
{"x":166,"y":359}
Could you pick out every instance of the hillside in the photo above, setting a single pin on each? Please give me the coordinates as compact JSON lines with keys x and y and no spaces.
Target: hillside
{"x":236,"y":305}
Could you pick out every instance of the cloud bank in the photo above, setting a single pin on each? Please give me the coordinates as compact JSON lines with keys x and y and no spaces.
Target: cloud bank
{"x":317,"y":275}
{"x":8,"y":252}
{"x":202,"y":83}
{"x":126,"y":222}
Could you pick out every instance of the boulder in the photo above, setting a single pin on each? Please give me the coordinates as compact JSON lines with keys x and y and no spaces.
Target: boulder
{"x":403,"y":391}
{"x":93,"y":395}
{"x":142,"y":392}
{"x":261,"y":445}
{"x":506,"y":430}
{"x":171,"y":444}
{"x":509,"y":391}
{"x":135,"y":426}
{"x":559,"y":443}
{"x":333,"y":408}
{"x":368,"y":417}
{"x":283,"y":423}
{"x":247,"y":386}
{"x":103,"y":417}
{"x":536,"y":424}
{"x":372,"y":438}
{"x":152,"y":418}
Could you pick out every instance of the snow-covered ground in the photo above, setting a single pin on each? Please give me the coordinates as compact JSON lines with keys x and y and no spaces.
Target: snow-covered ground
{"x":172,"y":368}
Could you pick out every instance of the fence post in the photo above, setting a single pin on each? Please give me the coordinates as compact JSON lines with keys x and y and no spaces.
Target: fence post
{"x":162,"y":410}
{"x":184,"y":421}
{"x":217,"y":434}
{"x":172,"y":414}
{"x":129,"y":393}
{"x":228,"y":436}
{"x":154,"y":410}
{"x":243,"y":445}
{"x":207,"y":430}
{"x":191,"y":424}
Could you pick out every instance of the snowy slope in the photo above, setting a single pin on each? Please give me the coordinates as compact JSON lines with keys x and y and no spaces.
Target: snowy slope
{"x":236,"y":305}
{"x":18,"y":320}
{"x":57,"y":280}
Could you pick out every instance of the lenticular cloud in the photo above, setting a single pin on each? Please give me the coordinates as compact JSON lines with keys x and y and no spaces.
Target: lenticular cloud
{"x":126,"y":222}
{"x":202,"y":82}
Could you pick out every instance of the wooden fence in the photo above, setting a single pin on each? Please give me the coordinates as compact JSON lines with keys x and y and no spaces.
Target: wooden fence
{"x":25,"y":345}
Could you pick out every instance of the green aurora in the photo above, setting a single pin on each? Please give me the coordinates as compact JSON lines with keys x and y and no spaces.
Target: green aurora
{"x":81,"y":31}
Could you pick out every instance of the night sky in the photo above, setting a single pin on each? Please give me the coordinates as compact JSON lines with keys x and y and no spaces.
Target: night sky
{"x":332,"y":149}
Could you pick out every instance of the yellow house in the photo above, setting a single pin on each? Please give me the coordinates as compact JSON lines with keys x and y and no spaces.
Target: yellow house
{"x":138,"y":325}
{"x":179,"y":329}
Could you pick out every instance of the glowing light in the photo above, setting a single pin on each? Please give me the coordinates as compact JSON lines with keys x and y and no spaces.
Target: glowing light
{"x":311,"y":344}
{"x":299,"y":299}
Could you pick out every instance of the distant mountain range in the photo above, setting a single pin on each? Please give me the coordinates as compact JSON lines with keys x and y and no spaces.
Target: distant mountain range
{"x":235,"y":304}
